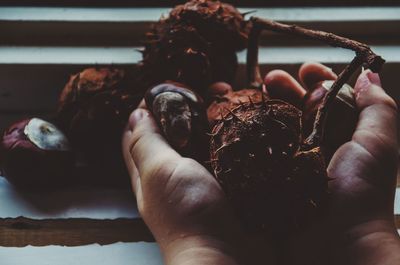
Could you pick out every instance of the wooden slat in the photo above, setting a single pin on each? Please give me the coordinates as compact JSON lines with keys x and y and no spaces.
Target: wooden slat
{"x":158,"y":3}
{"x":21,"y":231}
{"x":126,"y":26}
{"x":66,"y":14}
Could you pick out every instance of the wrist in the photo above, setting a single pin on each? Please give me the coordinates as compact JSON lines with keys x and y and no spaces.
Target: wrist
{"x":199,"y":249}
{"x":373,"y":242}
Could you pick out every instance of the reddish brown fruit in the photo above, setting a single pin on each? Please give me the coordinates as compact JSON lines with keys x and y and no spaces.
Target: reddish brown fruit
{"x":93,"y":111}
{"x":229,"y":29}
{"x":35,"y":154}
{"x":223,"y":100}
{"x":256,"y":156}
{"x":82,"y":87}
{"x":195,"y":45}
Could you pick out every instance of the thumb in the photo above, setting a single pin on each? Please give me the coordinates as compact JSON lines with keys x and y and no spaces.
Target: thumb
{"x":377,"y":126}
{"x":143,"y":144}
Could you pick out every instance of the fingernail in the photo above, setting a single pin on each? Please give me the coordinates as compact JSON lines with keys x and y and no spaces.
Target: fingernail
{"x":329,"y":70}
{"x":374,"y":78}
{"x":363,"y":81}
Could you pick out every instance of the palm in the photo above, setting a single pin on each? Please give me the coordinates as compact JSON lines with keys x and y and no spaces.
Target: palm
{"x":363,"y":173}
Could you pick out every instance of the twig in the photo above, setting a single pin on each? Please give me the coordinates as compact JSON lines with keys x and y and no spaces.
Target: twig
{"x":254,"y":79}
{"x":370,"y":59}
{"x":364,"y":56}
{"x":317,"y":135}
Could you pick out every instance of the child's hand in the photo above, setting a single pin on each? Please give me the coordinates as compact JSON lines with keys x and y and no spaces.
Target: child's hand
{"x":359,"y":228}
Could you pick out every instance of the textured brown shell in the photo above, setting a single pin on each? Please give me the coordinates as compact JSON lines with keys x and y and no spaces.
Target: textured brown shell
{"x":94,"y":108}
{"x":221,"y":104}
{"x":81,"y":87}
{"x":256,"y":157}
{"x":217,"y":22}
{"x":196,"y":45}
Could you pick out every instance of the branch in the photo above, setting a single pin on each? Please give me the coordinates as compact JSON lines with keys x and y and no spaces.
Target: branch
{"x":364,"y":56}
{"x":369,"y":58}
{"x":254,"y":79}
{"x":317,"y":134}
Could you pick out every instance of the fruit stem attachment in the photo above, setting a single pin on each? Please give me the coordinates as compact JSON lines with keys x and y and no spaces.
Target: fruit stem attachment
{"x":317,"y":135}
{"x":254,"y":79}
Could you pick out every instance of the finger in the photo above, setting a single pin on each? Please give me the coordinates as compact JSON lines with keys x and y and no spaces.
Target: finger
{"x":219,"y":89}
{"x":130,"y":165}
{"x":146,"y":147}
{"x":312,"y":73}
{"x":281,"y":85}
{"x":377,"y":127}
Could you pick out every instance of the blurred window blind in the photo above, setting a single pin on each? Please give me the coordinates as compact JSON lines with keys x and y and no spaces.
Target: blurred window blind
{"x":43,"y":42}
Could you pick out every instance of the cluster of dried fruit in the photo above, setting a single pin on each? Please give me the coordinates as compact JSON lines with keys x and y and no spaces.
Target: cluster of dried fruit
{"x":269,"y":156}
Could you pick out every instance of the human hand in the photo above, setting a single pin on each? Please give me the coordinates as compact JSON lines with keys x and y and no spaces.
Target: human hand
{"x":180,"y":201}
{"x":359,"y":227}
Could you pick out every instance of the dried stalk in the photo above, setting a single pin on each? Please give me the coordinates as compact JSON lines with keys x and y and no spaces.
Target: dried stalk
{"x":370,"y":59}
{"x":254,"y":79}
{"x":364,"y":56}
{"x":317,"y":134}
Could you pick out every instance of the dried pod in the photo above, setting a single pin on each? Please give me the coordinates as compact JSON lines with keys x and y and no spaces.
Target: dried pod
{"x":341,"y":121}
{"x":96,"y":131}
{"x":181,"y":117}
{"x":82,"y":87}
{"x":222,"y":99}
{"x":195,"y":45}
{"x":275,"y":178}
{"x":93,"y":111}
{"x":257,"y":158}
{"x":36,"y":154}
{"x":219,"y":23}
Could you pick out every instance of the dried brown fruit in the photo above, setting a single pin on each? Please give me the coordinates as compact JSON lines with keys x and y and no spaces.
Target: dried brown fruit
{"x":93,"y":111}
{"x":217,"y":22}
{"x":35,"y":154}
{"x":275,"y":177}
{"x":81,"y":87}
{"x":257,"y":158}
{"x":195,"y":45}
{"x":222,"y":99}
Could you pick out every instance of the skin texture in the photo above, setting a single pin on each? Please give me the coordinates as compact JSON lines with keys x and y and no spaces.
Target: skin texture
{"x":190,"y":218}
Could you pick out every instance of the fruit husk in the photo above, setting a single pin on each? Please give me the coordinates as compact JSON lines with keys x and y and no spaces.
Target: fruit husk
{"x":93,"y":111}
{"x":221,"y":104}
{"x":217,"y":22}
{"x":195,"y":45}
{"x":81,"y":87}
{"x":257,"y":158}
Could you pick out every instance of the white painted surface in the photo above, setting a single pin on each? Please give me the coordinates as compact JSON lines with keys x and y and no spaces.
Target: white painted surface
{"x":69,"y":55}
{"x":129,"y":55}
{"x":115,"y":254}
{"x":397,"y":202}
{"x":75,"y":14}
{"x":96,"y":203}
{"x":93,"y":203}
